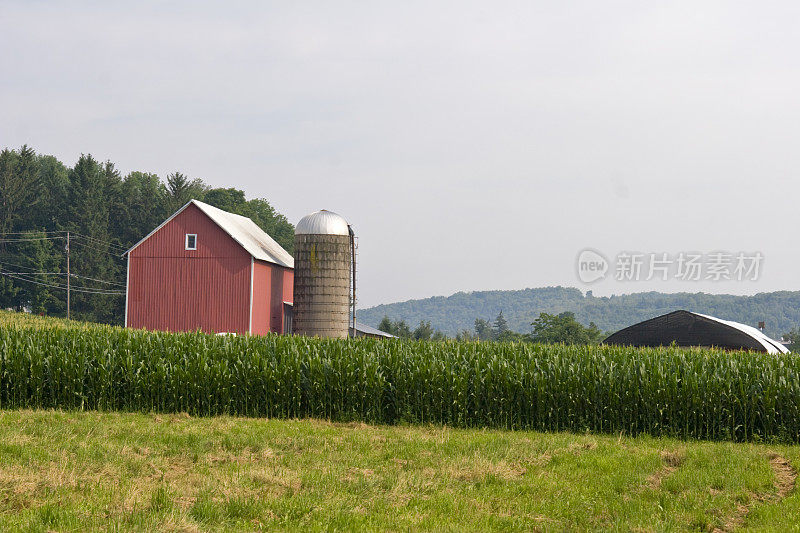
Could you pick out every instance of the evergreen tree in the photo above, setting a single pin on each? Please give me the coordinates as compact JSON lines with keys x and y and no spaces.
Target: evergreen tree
{"x":115,"y":202}
{"x":438,"y":336}
{"x":52,"y":211}
{"x":19,"y":186}
{"x":180,"y":190}
{"x":9,"y":290}
{"x":402,"y":330}
{"x":500,"y":325}
{"x":43,"y":259}
{"x":386,"y":325}
{"x":466,"y":335}
{"x":423,"y":332}
{"x":90,"y":253}
{"x":483,"y":329}
{"x":143,"y":195}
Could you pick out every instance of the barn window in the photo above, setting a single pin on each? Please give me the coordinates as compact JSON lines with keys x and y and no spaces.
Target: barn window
{"x":191,"y":241}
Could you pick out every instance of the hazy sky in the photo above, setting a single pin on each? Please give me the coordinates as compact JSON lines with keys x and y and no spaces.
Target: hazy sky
{"x":472,"y":145}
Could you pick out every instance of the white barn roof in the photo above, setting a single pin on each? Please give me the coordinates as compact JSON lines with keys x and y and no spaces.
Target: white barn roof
{"x":770,"y":345}
{"x":363,"y":329}
{"x":241,"y":229}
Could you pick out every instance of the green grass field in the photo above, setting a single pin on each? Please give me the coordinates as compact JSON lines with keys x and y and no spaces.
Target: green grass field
{"x":76,"y":471}
{"x":158,"y":468}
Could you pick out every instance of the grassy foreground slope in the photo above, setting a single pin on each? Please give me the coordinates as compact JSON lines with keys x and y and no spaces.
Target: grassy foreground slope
{"x":69,"y":471}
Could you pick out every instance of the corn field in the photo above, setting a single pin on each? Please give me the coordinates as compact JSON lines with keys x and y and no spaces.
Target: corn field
{"x":704,"y":394}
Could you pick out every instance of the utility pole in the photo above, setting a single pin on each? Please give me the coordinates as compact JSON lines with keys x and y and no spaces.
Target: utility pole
{"x":68,"y":276}
{"x":353,"y":268}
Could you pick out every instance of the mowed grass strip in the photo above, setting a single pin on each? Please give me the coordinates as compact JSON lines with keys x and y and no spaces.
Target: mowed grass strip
{"x":77,"y":471}
{"x":707,"y":394}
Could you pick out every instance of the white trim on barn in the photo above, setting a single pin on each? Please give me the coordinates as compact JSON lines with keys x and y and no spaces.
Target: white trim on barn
{"x":127,"y":288}
{"x":252,"y":275}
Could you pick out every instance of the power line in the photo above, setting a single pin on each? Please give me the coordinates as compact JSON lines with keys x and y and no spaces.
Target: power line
{"x":92,"y":243}
{"x":99,"y":280}
{"x":62,"y":287}
{"x":96,"y":239}
{"x":31,"y":232}
{"x":99,"y":241}
{"x":2,"y":262}
{"x":96,"y":290}
{"x":92,"y":240}
{"x":33,"y":271}
{"x":91,"y":247}
{"x":32,"y":239}
{"x":40,"y":273}
{"x":90,"y":290}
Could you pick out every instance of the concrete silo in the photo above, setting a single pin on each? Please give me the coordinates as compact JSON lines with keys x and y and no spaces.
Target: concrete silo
{"x":322,"y":267}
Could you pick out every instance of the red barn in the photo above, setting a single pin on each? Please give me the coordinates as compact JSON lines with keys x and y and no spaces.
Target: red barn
{"x":206,"y":269}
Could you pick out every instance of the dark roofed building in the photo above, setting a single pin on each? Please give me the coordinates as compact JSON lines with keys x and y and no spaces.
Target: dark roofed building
{"x":685,"y":328}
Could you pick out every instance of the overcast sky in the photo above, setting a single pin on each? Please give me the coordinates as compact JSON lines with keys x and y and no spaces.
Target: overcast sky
{"x":472,"y":145}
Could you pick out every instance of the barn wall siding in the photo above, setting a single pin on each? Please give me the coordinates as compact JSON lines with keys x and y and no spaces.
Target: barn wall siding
{"x":286,"y":294}
{"x":261,"y":298}
{"x":174,"y":289}
{"x":272,"y":286}
{"x":276,"y":302}
{"x":288,"y":285}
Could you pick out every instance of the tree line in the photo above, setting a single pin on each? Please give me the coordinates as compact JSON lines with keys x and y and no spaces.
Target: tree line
{"x":399,"y":328}
{"x":546,"y":329}
{"x":41,"y":199}
{"x":793,"y":338}
{"x":453,"y":314}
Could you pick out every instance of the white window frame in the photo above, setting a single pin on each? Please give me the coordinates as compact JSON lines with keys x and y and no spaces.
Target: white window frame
{"x":187,"y":241}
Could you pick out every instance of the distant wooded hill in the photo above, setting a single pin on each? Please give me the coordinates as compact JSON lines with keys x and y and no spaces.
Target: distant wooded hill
{"x":779,"y":310}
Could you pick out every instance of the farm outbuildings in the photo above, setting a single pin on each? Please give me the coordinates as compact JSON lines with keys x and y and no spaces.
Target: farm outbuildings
{"x":210,"y":270}
{"x":363,"y":330}
{"x":685,"y":328}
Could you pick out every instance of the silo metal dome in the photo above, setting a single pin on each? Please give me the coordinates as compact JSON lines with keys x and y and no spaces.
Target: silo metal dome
{"x":322,"y":267}
{"x":322,"y":222}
